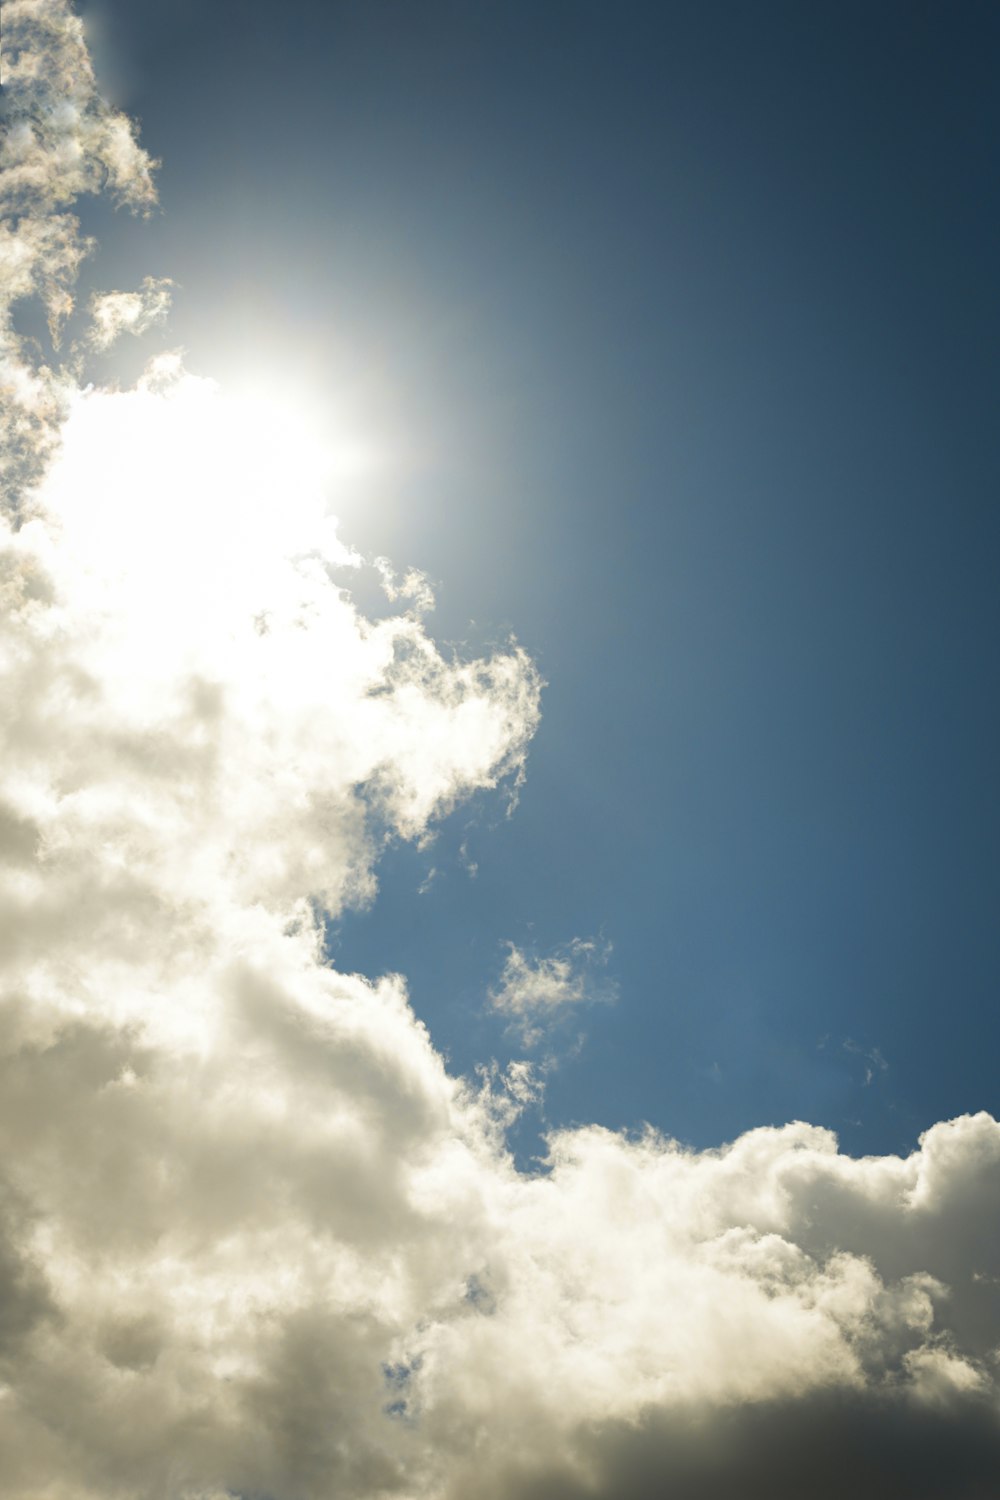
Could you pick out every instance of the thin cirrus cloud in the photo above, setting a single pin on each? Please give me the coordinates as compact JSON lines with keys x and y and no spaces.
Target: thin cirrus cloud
{"x":254,"y":1239}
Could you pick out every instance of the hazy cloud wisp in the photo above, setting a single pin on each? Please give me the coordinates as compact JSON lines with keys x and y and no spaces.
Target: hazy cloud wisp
{"x":537,"y":993}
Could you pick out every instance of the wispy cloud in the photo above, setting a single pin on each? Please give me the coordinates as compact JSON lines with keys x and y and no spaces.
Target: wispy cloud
{"x":536,"y":993}
{"x":115,"y":313}
{"x":413,"y":586}
{"x":872,"y":1060}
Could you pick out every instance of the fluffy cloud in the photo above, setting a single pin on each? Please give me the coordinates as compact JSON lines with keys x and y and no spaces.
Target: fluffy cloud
{"x":254,"y":1239}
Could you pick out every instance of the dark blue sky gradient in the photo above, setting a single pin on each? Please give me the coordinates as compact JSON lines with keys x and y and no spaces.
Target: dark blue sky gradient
{"x":685,"y":317}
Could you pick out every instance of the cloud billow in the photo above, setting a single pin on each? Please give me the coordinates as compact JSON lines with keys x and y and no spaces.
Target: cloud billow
{"x":254,"y":1239}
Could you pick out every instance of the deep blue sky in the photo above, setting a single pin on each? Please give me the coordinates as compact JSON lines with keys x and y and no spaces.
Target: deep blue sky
{"x":683,"y":319}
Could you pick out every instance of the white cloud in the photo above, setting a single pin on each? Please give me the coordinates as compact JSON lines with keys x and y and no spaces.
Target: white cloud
{"x":63,"y":139}
{"x":414,"y":586}
{"x":60,"y":140}
{"x":254,"y":1239}
{"x":536,"y":993}
{"x":115,"y":313}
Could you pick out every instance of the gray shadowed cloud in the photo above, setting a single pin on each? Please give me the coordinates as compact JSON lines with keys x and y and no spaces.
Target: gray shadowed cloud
{"x":824,"y":1446}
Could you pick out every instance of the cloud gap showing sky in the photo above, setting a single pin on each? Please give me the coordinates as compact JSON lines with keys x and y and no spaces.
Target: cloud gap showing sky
{"x":255,"y":1238}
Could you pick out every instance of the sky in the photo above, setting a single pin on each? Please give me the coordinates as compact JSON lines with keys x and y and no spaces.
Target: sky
{"x":675,"y":330}
{"x":498,"y":810}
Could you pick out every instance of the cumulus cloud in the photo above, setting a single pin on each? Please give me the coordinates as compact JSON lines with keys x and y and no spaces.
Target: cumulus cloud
{"x":62,"y":139}
{"x":255,"y":1240}
{"x":537,"y":993}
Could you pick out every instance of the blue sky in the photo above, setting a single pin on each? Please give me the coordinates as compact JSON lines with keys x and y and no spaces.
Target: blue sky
{"x":684,"y":318}
{"x":539,"y":1046}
